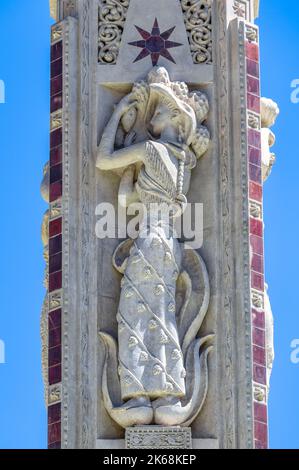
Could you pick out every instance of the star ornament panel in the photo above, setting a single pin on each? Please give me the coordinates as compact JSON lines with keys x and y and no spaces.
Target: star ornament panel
{"x":155,"y":44}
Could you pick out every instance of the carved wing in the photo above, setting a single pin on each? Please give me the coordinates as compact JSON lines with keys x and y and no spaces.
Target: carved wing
{"x":192,"y":297}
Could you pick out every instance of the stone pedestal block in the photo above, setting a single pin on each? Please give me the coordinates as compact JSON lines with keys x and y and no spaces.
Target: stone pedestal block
{"x":158,"y":437}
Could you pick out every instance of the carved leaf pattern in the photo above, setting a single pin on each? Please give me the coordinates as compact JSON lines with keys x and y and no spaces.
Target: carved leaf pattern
{"x":198,"y":21}
{"x":112,"y":17}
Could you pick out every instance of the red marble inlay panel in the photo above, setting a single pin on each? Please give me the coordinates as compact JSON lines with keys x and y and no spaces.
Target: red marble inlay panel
{"x":254,"y":156}
{"x":257,"y":244}
{"x":253,"y":68}
{"x":55,"y":173}
{"x":259,"y":374}
{"x":54,"y":356}
{"x":255,"y":173}
{"x":257,"y":264}
{"x":261,"y":434}
{"x":56,"y":102}
{"x":258,"y":318}
{"x":258,"y":337}
{"x":256,"y":227}
{"x":253,"y":103}
{"x":252,"y":51}
{"x":56,"y":138}
{"x":56,"y":445}
{"x":55,"y":191}
{"x":257,"y":281}
{"x":54,"y":433}
{"x":257,"y":445}
{"x":55,"y":263}
{"x":56,"y":68}
{"x":260,"y":412}
{"x":55,"y":319}
{"x":259,"y":355}
{"x":56,"y":85}
{"x":56,"y":51}
{"x":55,"y":281}
{"x":253,"y":85}
{"x":54,"y":375}
{"x":54,"y":413}
{"x":254,"y":138}
{"x":255,"y":191}
{"x":55,"y":227}
{"x":55,"y":245}
{"x":55,"y":337}
{"x":56,"y":156}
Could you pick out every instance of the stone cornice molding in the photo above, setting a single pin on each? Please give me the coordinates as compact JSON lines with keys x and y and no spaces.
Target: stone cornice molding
{"x":54,"y":8}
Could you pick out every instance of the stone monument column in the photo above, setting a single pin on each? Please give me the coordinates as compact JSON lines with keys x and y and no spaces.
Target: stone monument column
{"x":147,"y":344}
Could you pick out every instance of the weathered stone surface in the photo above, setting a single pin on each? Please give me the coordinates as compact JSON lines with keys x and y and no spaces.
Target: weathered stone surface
{"x":99,"y":69}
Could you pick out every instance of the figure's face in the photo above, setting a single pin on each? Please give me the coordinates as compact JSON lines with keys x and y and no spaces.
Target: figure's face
{"x":162,"y":118}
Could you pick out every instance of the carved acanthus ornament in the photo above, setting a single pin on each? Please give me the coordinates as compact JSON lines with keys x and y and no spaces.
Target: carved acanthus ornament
{"x":253,"y":121}
{"x":198,"y":21}
{"x":239,"y":9}
{"x":257,"y":300}
{"x":256,"y":210}
{"x":112,"y":17}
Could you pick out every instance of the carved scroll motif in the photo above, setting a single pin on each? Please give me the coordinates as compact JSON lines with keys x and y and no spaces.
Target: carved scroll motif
{"x":112,"y":17}
{"x":198,"y":21}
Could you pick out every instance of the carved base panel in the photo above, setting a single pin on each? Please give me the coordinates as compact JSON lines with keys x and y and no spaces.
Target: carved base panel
{"x":200,"y":444}
{"x":158,"y":437}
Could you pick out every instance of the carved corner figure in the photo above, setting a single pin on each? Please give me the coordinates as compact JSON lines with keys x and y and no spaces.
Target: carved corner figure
{"x":45,"y":240}
{"x":269,"y":113}
{"x":158,"y":364}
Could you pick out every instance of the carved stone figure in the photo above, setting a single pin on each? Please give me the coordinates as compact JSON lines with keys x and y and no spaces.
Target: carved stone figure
{"x":153,"y":140}
{"x":45,"y":240}
{"x":269,"y":113}
{"x":269,"y":324}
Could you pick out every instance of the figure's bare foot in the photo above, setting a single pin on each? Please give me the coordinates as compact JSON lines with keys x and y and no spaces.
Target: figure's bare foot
{"x":168,"y":411}
{"x":137,"y":403}
{"x":165,"y":401}
{"x":135,"y":412}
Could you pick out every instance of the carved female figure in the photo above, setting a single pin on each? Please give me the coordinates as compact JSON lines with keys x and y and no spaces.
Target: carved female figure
{"x":156,"y":158}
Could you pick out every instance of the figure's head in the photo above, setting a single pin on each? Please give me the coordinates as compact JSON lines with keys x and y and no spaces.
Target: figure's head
{"x":168,"y":111}
{"x":171,"y":105}
{"x":269,"y":112}
{"x":165,"y":115}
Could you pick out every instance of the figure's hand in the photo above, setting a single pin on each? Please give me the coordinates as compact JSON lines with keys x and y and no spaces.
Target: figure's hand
{"x":128,"y":102}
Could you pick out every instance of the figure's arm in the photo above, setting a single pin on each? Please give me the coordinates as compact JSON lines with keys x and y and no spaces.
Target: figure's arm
{"x":127,"y":193}
{"x":108,"y":158}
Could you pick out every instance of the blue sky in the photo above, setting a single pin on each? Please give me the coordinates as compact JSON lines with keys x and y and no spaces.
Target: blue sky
{"x":24,"y":130}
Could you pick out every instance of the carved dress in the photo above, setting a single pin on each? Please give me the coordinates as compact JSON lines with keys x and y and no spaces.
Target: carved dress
{"x":150,"y":355}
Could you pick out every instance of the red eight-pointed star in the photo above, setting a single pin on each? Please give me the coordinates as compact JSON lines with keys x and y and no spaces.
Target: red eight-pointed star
{"x":155,"y":44}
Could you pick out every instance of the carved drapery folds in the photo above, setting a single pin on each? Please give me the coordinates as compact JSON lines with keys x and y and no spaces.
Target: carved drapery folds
{"x":198,"y":21}
{"x":112,"y":17}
